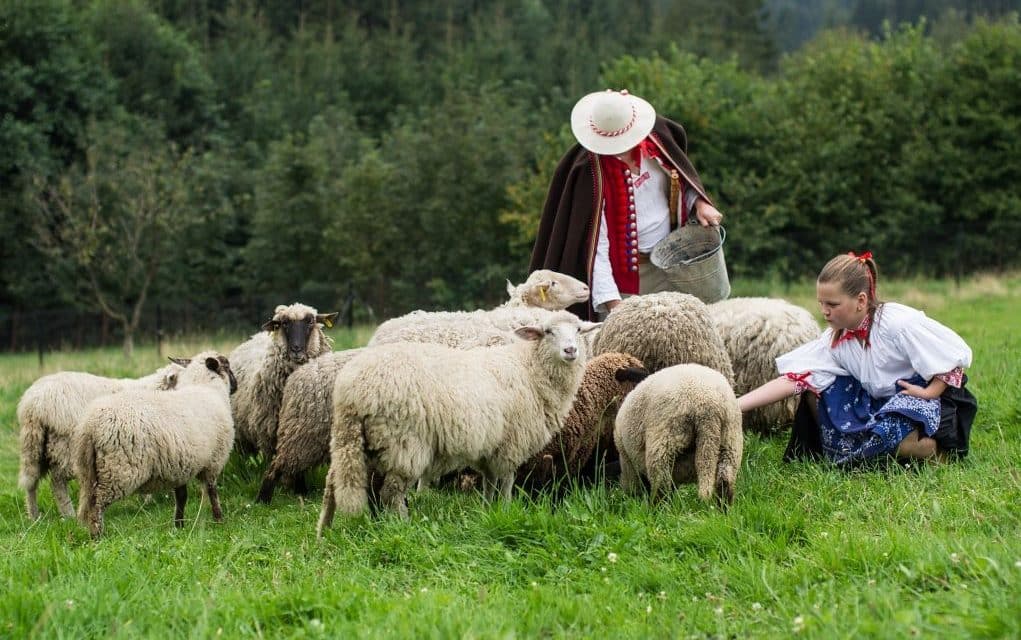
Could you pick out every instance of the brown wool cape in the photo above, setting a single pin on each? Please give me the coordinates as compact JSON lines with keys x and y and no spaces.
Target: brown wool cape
{"x":566,"y":238}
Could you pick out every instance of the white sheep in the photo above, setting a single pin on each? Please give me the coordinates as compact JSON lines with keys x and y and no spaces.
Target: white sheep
{"x":533,"y":301}
{"x":144,"y":440}
{"x":306,"y":417}
{"x":755,"y":332}
{"x":407,"y":411}
{"x":49,"y":413}
{"x":681,"y":424}
{"x":665,"y":329}
{"x":292,"y":337}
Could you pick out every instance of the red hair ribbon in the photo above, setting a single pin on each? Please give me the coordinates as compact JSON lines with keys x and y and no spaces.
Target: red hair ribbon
{"x":861,"y":259}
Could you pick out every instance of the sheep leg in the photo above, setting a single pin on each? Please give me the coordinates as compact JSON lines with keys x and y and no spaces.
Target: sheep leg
{"x":60,"y":493}
{"x":214,"y":499}
{"x":299,"y":485}
{"x":629,"y":479}
{"x":180,"y":497}
{"x":394,"y":493}
{"x":269,"y":483}
{"x":31,"y":501}
{"x":507,"y":486}
{"x":329,"y":506}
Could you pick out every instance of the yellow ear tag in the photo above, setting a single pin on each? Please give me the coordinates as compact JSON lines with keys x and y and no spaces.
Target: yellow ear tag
{"x":542,"y":293}
{"x":328,"y":323}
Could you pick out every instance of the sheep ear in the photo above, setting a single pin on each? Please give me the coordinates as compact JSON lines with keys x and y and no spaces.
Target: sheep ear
{"x":510,"y":288}
{"x":631,"y":374}
{"x":327,"y":318}
{"x":529,"y":333}
{"x":587,"y":326}
{"x":271,"y":325}
{"x":213,"y":364}
{"x":184,"y":362}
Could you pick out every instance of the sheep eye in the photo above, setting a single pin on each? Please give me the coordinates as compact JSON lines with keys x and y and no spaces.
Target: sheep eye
{"x":549,"y":332}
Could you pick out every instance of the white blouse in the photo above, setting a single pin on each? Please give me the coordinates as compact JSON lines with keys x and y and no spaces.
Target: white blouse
{"x":903,"y":341}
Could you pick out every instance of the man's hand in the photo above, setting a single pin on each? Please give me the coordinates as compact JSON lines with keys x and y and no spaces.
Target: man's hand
{"x":707,"y":214}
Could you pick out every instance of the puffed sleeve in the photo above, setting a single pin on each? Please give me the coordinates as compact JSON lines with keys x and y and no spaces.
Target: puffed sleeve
{"x":933,"y":348}
{"x":815,"y":359}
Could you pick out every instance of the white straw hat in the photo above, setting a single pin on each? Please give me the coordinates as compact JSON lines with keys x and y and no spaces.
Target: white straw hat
{"x":611,"y":122}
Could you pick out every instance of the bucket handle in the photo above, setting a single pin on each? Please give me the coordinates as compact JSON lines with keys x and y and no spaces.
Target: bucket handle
{"x":723,"y":236}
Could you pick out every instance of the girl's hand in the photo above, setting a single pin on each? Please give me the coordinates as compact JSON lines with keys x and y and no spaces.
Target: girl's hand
{"x":934,"y":390}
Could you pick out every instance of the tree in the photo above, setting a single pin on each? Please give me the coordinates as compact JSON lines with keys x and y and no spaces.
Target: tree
{"x":107,"y":226}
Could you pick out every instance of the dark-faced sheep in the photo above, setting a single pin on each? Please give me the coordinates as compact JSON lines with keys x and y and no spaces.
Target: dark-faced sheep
{"x":292,"y":337}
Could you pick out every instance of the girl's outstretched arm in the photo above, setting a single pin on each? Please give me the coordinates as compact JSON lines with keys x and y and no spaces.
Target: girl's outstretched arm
{"x":772,"y":391}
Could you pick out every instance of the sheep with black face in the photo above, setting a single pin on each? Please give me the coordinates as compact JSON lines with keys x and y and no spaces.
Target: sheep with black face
{"x":292,"y":337}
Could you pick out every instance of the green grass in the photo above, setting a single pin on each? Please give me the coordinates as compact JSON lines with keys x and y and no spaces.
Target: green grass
{"x":931,"y":552}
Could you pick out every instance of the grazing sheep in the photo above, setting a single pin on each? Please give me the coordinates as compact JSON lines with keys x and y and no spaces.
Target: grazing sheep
{"x":144,"y":440}
{"x":49,"y":413}
{"x":406,"y":411}
{"x":292,"y":337}
{"x":532,"y":302}
{"x":306,"y":417}
{"x":755,"y":332}
{"x":607,"y":380}
{"x":681,"y":424}
{"x":665,"y":329}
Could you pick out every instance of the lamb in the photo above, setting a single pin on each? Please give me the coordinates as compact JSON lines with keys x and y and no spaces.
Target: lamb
{"x":681,"y":424}
{"x":144,"y":440}
{"x":571,"y":454}
{"x":306,"y":417}
{"x":407,"y":411}
{"x":49,"y":413}
{"x":531,"y":302}
{"x":665,"y":329}
{"x":755,"y":332}
{"x":292,"y":337}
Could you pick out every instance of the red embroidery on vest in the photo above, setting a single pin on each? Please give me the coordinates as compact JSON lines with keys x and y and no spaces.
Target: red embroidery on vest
{"x":623,"y":245}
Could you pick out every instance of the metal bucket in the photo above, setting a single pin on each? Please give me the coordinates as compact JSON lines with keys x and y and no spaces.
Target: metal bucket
{"x":692,"y":258}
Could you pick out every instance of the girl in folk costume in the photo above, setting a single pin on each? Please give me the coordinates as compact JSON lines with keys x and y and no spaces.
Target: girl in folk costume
{"x":884,"y":379}
{"x":614,"y":195}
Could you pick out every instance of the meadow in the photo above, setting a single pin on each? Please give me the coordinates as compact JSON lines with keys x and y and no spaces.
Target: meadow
{"x":806,"y":550}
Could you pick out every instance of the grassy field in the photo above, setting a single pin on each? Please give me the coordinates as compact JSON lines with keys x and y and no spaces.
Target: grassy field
{"x":805,"y":550}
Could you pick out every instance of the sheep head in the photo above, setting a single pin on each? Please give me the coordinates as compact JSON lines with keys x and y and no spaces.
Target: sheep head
{"x":549,"y":290}
{"x":296,"y":327}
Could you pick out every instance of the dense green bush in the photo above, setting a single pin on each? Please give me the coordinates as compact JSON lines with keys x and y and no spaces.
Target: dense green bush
{"x":402,"y":153}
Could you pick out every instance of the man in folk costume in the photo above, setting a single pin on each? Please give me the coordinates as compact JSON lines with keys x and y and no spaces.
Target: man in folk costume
{"x":614,"y":195}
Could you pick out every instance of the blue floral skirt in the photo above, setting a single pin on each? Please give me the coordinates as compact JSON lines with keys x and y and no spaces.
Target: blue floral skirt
{"x":856,"y":427}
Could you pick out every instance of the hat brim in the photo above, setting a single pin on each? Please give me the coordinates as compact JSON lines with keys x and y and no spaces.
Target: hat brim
{"x":606,"y":145}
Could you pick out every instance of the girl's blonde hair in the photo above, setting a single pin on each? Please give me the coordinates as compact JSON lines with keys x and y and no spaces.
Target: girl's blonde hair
{"x":854,"y":274}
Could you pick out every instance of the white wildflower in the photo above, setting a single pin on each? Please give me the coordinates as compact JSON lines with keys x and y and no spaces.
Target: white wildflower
{"x":756,"y":606}
{"x":611,"y":557}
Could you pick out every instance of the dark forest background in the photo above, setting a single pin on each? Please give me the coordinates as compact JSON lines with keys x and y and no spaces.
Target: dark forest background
{"x":192,"y":163}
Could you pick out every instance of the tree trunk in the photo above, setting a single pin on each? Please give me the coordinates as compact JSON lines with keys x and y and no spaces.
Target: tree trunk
{"x":129,"y":340}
